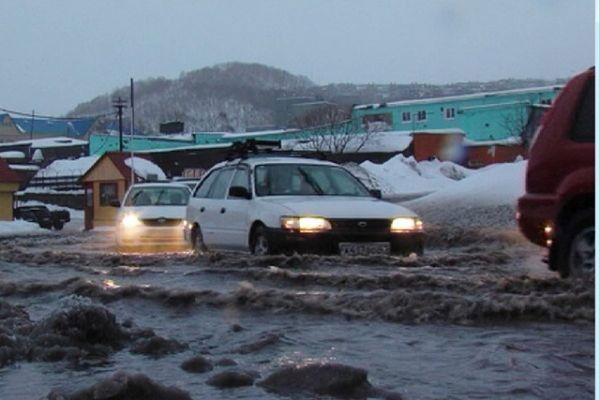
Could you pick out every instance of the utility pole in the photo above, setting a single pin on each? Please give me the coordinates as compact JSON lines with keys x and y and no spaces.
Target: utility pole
{"x":119,"y":104}
{"x":31,"y":134}
{"x":132,"y":132}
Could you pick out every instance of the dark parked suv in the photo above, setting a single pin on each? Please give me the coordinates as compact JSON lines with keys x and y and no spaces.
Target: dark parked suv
{"x":557,"y":210}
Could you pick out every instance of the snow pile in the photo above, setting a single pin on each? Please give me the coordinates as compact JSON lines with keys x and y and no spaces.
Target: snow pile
{"x":402,"y":176}
{"x":446,"y":193}
{"x":487,"y":198}
{"x":497,"y":184}
{"x":75,"y":167}
{"x":19,"y":227}
{"x":144,"y":168}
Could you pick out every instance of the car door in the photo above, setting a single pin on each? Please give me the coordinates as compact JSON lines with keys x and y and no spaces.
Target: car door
{"x":233,"y":216}
{"x":212,"y":208}
{"x":196,"y":211}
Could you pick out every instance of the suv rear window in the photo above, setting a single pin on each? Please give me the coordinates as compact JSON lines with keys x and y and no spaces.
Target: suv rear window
{"x":584,"y":124}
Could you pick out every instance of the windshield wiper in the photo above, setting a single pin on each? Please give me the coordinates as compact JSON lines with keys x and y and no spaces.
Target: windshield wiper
{"x":311,"y":181}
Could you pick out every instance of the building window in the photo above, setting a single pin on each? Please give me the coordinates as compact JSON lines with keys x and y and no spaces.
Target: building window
{"x":449,"y":113}
{"x":378,"y":122}
{"x":383,"y":117}
{"x":421,"y":115}
{"x":108,"y":193}
{"x":406,"y":116}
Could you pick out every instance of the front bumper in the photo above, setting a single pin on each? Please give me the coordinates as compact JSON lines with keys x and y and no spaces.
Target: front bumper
{"x":328,"y":242}
{"x":534,"y":213}
{"x":151,"y":239}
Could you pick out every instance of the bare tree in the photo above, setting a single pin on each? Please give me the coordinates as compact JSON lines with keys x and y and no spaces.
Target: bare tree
{"x":514,"y":122}
{"x":216,"y":123}
{"x":331,"y":129}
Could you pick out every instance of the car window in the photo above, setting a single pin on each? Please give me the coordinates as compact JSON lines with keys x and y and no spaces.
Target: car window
{"x":584,"y":124}
{"x":157,"y":196}
{"x":306,"y":180}
{"x":218,"y":189}
{"x":241,"y":178}
{"x":202,"y":190}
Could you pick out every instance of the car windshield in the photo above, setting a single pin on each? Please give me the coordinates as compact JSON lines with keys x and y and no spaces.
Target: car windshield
{"x":306,"y":180}
{"x":157,"y":196}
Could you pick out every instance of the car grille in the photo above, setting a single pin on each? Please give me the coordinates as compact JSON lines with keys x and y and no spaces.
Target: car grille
{"x":355,"y":225}
{"x":162,"y":221}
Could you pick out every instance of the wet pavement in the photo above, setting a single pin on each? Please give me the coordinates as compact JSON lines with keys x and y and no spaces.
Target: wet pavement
{"x":478,"y":316}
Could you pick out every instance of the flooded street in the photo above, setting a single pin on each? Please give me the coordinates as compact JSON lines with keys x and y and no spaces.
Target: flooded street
{"x":477,"y":317}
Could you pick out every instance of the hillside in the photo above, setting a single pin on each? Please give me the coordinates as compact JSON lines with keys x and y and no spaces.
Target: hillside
{"x":238,"y":96}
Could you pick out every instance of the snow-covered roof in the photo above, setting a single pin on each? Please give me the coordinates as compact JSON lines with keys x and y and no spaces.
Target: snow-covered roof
{"x":75,"y":167}
{"x":460,"y":97}
{"x":514,"y":140}
{"x":144,"y":168}
{"x":12,"y":154}
{"x":192,"y":147}
{"x":22,"y":167}
{"x":48,"y":142}
{"x":259,"y":133}
{"x":378,"y":142}
{"x":447,"y":131}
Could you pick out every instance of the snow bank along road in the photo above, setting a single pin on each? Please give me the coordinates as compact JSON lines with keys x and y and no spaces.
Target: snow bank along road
{"x":477,"y":317}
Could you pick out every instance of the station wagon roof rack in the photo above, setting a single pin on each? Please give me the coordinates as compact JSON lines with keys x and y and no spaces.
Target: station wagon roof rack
{"x":253,"y":147}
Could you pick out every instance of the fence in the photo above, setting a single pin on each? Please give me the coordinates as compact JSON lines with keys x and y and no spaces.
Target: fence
{"x":59,"y":183}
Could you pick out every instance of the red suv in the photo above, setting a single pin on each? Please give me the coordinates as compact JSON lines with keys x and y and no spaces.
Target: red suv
{"x":558,"y":209}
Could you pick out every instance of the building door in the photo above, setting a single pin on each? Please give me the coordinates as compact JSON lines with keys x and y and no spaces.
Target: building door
{"x":89,"y":207}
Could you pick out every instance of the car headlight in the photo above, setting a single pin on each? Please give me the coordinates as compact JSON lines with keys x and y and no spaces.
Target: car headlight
{"x":406,"y":224}
{"x":130,"y":221}
{"x":305,"y":224}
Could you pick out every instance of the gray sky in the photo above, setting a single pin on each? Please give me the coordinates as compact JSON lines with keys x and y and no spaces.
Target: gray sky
{"x":57,"y":54}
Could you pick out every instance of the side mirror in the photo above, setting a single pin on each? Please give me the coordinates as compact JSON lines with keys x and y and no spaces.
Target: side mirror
{"x":239,"y":191}
{"x":115,"y":203}
{"x":375,"y":193}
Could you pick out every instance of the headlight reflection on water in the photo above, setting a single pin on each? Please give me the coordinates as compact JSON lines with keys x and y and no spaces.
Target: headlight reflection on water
{"x":109,"y":284}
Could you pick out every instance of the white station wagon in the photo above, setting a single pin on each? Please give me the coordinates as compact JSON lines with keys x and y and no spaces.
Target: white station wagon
{"x":267,"y":205}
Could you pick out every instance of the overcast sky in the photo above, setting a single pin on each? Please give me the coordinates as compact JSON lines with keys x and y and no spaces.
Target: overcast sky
{"x":57,"y":54}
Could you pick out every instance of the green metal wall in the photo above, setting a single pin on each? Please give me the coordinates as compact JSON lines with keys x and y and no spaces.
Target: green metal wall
{"x":491,"y":116}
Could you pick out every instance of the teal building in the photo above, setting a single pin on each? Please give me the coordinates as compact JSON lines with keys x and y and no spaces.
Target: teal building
{"x":482,"y":116}
{"x":101,"y":143}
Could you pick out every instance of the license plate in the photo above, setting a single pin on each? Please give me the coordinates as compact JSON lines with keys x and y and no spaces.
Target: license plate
{"x":364,"y":249}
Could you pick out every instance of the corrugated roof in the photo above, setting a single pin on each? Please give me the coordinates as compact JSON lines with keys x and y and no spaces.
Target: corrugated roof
{"x":459,"y":97}
{"x":44,"y":126}
{"x":7,"y":174}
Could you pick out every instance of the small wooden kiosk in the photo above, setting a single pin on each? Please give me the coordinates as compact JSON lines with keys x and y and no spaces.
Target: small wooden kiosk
{"x":107,"y":180}
{"x":9,"y":184}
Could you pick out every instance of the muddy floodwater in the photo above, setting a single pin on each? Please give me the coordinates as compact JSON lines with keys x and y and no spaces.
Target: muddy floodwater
{"x":477,"y":317}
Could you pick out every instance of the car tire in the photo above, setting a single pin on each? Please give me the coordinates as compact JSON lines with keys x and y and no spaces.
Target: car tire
{"x":260,"y":245}
{"x":58,"y":225}
{"x":45,"y":225}
{"x":578,"y":252}
{"x":198,"y":241}
{"x":407,"y":250}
